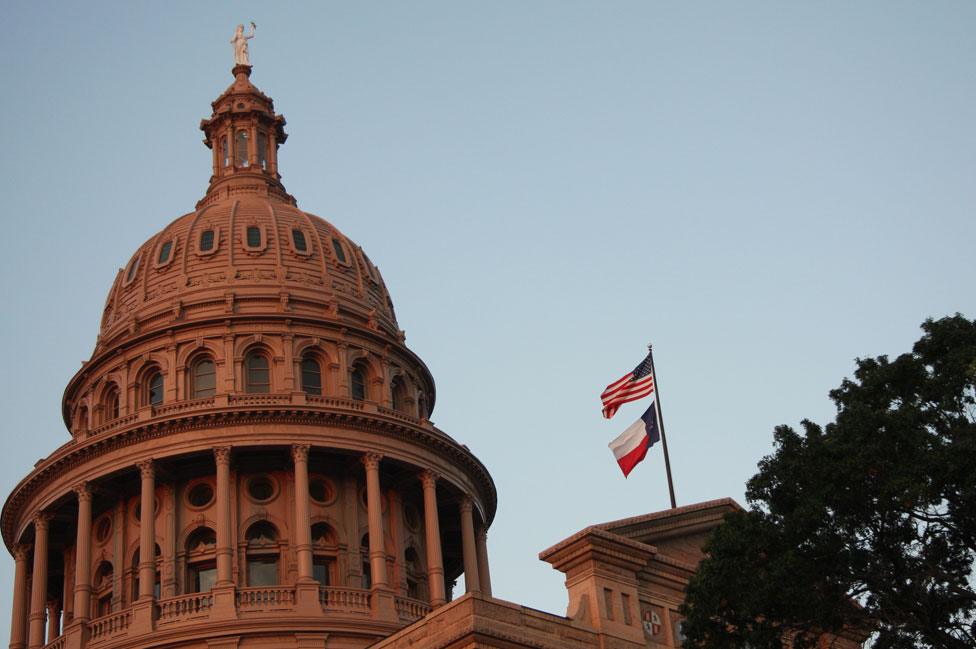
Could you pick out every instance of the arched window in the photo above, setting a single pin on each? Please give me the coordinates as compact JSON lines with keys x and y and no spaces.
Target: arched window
{"x":82,"y":421}
{"x":102,"y":589}
{"x":112,"y":408}
{"x":154,"y":388}
{"x":262,"y":554}
{"x":257,"y":378}
{"x":201,"y":561}
{"x":224,"y":151}
{"x":357,"y":383}
{"x":203,"y":378}
{"x":324,"y":551}
{"x":262,"y":146}
{"x":367,"y":569}
{"x":135,"y":574}
{"x":240,"y":149}
{"x":398,"y":394}
{"x":311,"y":375}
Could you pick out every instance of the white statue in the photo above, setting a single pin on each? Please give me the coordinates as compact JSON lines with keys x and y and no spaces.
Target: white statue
{"x":239,"y":42}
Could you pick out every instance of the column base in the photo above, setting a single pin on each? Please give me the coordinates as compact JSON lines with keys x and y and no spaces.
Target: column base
{"x":382,"y":603}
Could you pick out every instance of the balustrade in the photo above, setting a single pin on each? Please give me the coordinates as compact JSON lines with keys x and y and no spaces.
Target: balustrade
{"x":57,"y":643}
{"x":109,"y":626}
{"x":411,"y":609}
{"x":344,"y":599}
{"x":185,"y":607}
{"x":266,"y":598}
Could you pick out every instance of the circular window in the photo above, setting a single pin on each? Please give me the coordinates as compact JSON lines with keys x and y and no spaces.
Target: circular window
{"x":261,"y":488}
{"x":321,"y":491}
{"x":103,"y":528}
{"x":200,"y":495}
{"x":411,"y":517}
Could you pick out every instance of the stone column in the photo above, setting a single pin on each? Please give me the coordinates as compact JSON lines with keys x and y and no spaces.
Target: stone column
{"x":223,"y":551}
{"x":82,"y":592}
{"x":147,"y":530}
{"x":432,"y":529}
{"x":39,"y":581}
{"x":18,"y":619}
{"x":484,"y":576}
{"x":374,"y":507}
{"x":303,"y":526}
{"x":472,"y":584}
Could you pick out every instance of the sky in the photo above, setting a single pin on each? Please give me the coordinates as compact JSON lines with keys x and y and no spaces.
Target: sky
{"x":765,"y":191}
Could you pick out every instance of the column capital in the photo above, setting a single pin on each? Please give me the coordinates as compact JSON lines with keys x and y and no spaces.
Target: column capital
{"x":429,"y":478}
{"x":21,"y":551}
{"x":83,"y":491}
{"x":299,"y":452}
{"x":222,"y":455}
{"x":42,"y":520}
{"x":466,"y":504}
{"x":371,"y":460}
{"x":146,"y":469}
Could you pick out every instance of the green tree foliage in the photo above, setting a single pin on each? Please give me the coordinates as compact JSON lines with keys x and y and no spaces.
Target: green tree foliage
{"x":867,"y":523}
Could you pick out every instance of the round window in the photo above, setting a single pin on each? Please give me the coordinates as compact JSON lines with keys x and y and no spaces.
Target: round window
{"x":103,"y":528}
{"x":321,"y":491}
{"x":200,"y":495}
{"x":261,"y":488}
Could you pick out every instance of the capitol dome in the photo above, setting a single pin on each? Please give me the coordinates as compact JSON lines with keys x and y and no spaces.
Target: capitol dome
{"x":250,"y":387}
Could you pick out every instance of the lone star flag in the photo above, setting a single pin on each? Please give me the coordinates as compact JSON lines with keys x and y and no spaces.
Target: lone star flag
{"x":632,"y":445}
{"x":630,"y":387}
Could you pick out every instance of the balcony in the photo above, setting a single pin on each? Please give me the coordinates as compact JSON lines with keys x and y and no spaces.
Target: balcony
{"x":277,"y":604}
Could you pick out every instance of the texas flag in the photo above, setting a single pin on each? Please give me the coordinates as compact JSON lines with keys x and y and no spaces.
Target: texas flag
{"x":631,"y":447}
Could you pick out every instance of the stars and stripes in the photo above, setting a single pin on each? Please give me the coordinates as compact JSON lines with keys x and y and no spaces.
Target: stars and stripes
{"x":630,"y":387}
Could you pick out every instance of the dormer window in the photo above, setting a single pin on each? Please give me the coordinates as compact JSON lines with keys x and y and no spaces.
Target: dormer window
{"x":240,"y":149}
{"x":164,"y":252}
{"x":298,"y":238}
{"x":130,"y":273}
{"x":339,"y":252}
{"x":253,"y":236}
{"x":206,"y":240}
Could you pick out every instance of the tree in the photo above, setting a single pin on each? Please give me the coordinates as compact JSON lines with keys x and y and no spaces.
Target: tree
{"x":868,"y":523}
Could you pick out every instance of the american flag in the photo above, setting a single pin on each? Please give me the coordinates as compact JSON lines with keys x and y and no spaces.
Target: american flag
{"x":630,"y":387}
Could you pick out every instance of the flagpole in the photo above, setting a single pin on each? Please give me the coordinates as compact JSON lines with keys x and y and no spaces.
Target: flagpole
{"x":660,"y":421}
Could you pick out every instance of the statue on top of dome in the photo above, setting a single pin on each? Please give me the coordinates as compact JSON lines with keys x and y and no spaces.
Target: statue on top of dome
{"x":241,"y":56}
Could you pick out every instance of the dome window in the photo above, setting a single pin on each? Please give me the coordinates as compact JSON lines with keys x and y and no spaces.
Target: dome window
{"x":398,"y":394}
{"x":253,"y":236}
{"x":206,"y":241}
{"x":240,"y":149}
{"x":164,"y":251}
{"x":357,"y":384}
{"x":298,"y":238}
{"x":201,"y":560}
{"x":257,"y":377}
{"x":155,"y":389}
{"x":340,"y":253}
{"x":112,"y":408}
{"x":130,"y":273}
{"x":203,"y":379}
{"x":311,"y":375}
{"x":224,"y":152}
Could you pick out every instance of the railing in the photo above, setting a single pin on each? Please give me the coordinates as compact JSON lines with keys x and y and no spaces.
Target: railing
{"x":344,"y":599}
{"x":182,"y":406}
{"x":396,"y":414}
{"x":411,"y":609}
{"x":118,"y":422}
{"x":57,"y":643}
{"x":258,"y":399}
{"x":185,"y":607}
{"x":270,"y":598}
{"x":102,"y":628}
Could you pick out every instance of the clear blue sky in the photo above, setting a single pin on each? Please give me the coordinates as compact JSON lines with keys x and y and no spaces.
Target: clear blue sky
{"x":765,"y":190}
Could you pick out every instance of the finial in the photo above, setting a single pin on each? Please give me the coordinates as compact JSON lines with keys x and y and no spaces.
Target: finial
{"x":650,"y":347}
{"x":241,"y":55}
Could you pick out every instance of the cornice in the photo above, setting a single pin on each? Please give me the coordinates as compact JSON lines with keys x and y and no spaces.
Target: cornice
{"x":77,"y":453}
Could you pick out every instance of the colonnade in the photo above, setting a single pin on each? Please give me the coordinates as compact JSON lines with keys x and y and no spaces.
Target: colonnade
{"x":31,"y":607}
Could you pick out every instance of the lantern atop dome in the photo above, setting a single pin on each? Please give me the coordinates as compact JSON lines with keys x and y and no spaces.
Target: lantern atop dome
{"x":244,"y":134}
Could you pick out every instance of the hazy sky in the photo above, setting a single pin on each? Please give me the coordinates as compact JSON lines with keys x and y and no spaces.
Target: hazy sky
{"x":765,"y":190}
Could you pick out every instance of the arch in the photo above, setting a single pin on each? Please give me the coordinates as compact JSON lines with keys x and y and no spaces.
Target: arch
{"x":198,"y":523}
{"x":111,"y":402}
{"x":271,"y":345}
{"x":325,"y":553}
{"x":200,"y":553}
{"x":149,"y":384}
{"x":262,"y":553}
{"x":262,"y":532}
{"x":103,"y":582}
{"x":185,"y":355}
{"x":315,"y":346}
{"x":143,"y":363}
